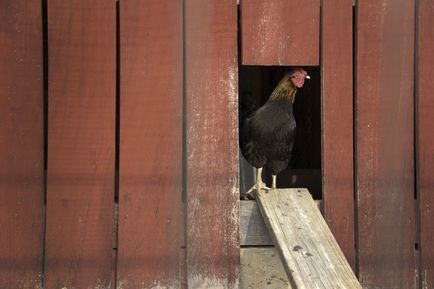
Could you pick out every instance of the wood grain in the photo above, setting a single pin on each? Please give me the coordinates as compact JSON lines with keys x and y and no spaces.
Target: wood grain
{"x":337,"y":123}
{"x":21,"y":144}
{"x":212,"y":144}
{"x":425,"y":138}
{"x":307,"y":248}
{"x":253,"y":231}
{"x":385,"y":146}
{"x":150,"y":144}
{"x":280,"y":32}
{"x":81,"y":143}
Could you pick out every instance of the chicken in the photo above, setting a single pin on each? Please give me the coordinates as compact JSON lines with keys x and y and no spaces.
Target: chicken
{"x":267,"y":135}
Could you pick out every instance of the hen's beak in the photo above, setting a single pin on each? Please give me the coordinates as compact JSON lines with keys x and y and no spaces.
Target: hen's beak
{"x":307,"y":77}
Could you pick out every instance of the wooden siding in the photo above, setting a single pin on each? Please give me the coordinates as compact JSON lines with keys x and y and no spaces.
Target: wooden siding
{"x":150,"y":144}
{"x":81,"y":143}
{"x":21,"y":144}
{"x":280,"y":32}
{"x":212,"y":146}
{"x":425,"y":154}
{"x":385,"y":233}
{"x":337,"y":123}
{"x":385,"y":152}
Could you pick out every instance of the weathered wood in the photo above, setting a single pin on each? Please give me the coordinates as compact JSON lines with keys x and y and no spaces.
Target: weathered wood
{"x":337,"y":123}
{"x":261,"y":268}
{"x":253,"y":231}
{"x":150,"y":180}
{"x":309,"y":252}
{"x":21,"y":144}
{"x":81,"y":143}
{"x":425,"y":139}
{"x":183,"y":269}
{"x":385,"y":146}
{"x":280,"y":32}
{"x":212,"y":144}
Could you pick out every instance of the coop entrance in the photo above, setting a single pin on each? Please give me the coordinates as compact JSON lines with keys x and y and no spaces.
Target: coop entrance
{"x":256,"y":83}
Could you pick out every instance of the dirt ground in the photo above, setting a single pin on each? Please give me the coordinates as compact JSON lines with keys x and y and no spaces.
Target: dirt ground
{"x":261,"y":268}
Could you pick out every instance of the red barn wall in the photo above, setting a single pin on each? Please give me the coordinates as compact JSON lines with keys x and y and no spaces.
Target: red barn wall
{"x":137,"y":106}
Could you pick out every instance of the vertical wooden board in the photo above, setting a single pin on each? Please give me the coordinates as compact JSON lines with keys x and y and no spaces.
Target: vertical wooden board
{"x":212,"y":146}
{"x":280,"y":32}
{"x":425,"y":138}
{"x":385,"y":160}
{"x":150,"y":144}
{"x":21,"y":144}
{"x":81,"y":143}
{"x":337,"y":122}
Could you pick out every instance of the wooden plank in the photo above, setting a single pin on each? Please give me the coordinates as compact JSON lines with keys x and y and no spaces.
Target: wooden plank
{"x":280,"y":32}
{"x":308,"y":250}
{"x":385,"y":159}
{"x":150,"y":144}
{"x":21,"y":144}
{"x":81,"y":143}
{"x":425,"y":138}
{"x":337,"y":123}
{"x":253,"y":231}
{"x":212,"y":144}
{"x":261,"y":268}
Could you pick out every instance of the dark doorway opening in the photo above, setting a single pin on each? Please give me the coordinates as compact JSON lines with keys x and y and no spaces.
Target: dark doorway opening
{"x":255,"y":86}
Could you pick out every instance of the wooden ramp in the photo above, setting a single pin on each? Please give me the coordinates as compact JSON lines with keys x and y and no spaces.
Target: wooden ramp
{"x":309,"y":252}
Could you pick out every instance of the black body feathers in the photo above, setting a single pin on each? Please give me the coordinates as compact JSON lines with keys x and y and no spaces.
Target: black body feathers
{"x":267,"y":135}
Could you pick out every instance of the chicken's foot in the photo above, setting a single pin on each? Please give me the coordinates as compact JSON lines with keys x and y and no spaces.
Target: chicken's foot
{"x":260,"y":185}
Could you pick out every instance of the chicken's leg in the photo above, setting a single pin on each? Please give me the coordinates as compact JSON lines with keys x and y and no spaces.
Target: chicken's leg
{"x":273,"y":186}
{"x":260,"y":185}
